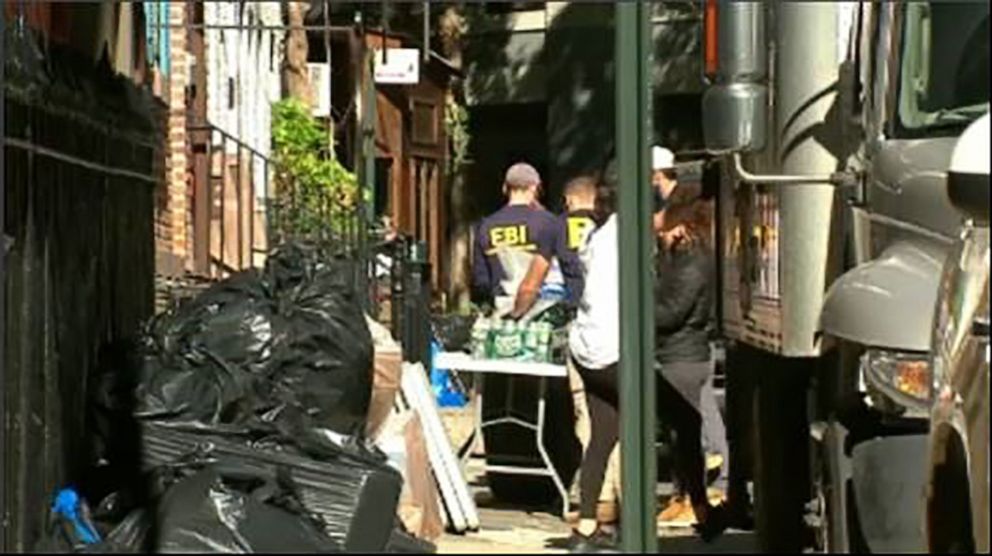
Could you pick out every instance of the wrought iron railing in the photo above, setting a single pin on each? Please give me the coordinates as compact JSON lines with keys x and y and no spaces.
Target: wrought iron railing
{"x":229,"y":231}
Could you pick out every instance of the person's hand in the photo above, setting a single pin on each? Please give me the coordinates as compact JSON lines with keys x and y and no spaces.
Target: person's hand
{"x":676,"y":235}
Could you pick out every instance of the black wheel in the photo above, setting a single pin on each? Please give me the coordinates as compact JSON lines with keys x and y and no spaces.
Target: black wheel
{"x":781,"y":458}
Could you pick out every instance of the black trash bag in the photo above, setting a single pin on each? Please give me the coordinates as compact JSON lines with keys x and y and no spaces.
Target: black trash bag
{"x":225,"y":509}
{"x":321,"y":373}
{"x":454,"y":332}
{"x":131,"y":536}
{"x":202,"y":390}
{"x":230,"y":321}
{"x":347,"y":483}
{"x":282,"y":350}
{"x":292,"y":264}
{"x":202,"y":362}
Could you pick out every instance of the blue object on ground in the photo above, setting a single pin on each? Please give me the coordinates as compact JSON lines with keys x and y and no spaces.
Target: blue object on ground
{"x":445,"y":391}
{"x":70,"y":506}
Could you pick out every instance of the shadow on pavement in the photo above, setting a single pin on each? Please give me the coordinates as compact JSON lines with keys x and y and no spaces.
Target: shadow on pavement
{"x":731,"y":542}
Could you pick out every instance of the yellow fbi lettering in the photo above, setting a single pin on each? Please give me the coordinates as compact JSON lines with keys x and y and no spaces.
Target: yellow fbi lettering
{"x":578,"y":231}
{"x":509,"y":237}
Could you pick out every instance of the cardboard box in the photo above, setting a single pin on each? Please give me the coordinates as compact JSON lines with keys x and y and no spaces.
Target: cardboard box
{"x":387,"y":367}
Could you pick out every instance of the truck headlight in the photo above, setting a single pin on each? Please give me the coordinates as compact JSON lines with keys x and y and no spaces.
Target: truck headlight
{"x":904,"y":378}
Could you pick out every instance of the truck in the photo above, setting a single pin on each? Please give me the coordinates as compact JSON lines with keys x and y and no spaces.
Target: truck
{"x":834,"y":124}
{"x":957,"y":465}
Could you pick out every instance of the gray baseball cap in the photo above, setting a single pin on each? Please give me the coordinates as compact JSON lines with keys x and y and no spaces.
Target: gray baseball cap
{"x":522,"y":175}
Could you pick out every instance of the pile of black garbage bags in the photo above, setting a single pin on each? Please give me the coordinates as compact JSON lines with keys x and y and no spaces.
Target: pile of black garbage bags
{"x":235,"y":425}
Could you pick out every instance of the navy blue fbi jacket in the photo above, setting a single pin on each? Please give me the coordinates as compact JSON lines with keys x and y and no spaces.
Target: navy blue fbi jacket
{"x":514,"y":227}
{"x":576,"y":227}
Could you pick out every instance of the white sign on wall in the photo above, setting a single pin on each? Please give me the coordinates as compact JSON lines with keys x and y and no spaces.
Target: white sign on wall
{"x":320,"y":88}
{"x":400,"y":67}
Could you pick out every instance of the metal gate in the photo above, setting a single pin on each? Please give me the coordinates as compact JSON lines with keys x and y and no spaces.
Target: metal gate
{"x":78,"y":268}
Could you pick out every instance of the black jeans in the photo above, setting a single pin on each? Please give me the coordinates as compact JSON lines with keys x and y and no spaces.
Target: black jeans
{"x":602,"y":396}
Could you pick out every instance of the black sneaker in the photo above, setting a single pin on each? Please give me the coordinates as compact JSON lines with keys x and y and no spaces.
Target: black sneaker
{"x":738,"y":517}
{"x":715,"y":523}
{"x":598,"y":542}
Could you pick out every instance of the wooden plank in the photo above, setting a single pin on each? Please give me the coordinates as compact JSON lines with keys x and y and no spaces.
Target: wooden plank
{"x":400,"y":406}
{"x":454,"y":517}
{"x":447,"y":467}
{"x":450,"y":466}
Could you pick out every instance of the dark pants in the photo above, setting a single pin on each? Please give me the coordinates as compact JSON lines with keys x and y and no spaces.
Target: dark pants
{"x":678,"y":386}
{"x":603,"y":399}
{"x":714,"y":431}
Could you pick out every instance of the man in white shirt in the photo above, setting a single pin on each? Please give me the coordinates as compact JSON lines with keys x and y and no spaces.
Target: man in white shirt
{"x":594,"y":353}
{"x":594,"y":340}
{"x":594,"y":350}
{"x":607,"y":510}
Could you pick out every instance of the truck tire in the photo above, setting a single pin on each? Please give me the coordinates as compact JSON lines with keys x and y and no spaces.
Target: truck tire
{"x":781,"y":457}
{"x":841,"y":416}
{"x":835,"y":517}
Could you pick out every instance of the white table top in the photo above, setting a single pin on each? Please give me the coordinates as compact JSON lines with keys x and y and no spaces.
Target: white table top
{"x":458,"y":361}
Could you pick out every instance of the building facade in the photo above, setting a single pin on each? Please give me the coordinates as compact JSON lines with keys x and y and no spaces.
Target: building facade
{"x":223,"y":66}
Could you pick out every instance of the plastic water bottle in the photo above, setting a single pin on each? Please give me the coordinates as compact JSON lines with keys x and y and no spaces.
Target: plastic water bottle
{"x":480,"y":338}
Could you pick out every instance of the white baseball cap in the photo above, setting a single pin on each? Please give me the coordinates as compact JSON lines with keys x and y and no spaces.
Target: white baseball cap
{"x":662,"y":158}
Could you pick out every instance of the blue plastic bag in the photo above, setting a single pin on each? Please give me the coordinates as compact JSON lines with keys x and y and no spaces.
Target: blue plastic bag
{"x":71,"y":521}
{"x":445,"y":391}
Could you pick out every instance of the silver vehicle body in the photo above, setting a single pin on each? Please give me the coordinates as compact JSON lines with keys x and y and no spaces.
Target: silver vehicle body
{"x":959,"y":419}
{"x":905,"y":221}
{"x":835,"y":228}
{"x":893,"y":212}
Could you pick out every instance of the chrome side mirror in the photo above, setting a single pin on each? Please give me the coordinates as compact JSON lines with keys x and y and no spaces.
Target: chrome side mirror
{"x":735,"y":105}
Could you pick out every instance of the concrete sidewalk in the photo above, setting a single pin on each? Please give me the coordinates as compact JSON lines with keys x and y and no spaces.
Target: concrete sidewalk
{"x":526,"y":531}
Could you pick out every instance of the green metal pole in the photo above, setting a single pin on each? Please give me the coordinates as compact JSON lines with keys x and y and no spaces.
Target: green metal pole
{"x":637,"y":379}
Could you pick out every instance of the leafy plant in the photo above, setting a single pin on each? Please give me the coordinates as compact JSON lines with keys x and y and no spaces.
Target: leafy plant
{"x":456,"y":124}
{"x":317,"y":196}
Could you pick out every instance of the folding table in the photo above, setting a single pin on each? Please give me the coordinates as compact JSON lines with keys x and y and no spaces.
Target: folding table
{"x":463,"y":362}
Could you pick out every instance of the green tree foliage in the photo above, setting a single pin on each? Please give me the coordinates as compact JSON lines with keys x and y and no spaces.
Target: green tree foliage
{"x":317,"y":196}
{"x":456,"y":122}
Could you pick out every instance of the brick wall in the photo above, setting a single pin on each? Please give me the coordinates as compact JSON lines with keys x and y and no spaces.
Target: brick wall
{"x":173,"y":203}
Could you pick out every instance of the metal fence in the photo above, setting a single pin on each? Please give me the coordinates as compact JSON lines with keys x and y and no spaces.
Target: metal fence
{"x":229,"y":232}
{"x":78,"y":197}
{"x":239,"y":217}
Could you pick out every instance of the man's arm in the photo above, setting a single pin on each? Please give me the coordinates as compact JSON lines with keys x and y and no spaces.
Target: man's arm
{"x":546,"y":241}
{"x":571,"y":266}
{"x":530,"y":287}
{"x":481,"y":274}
